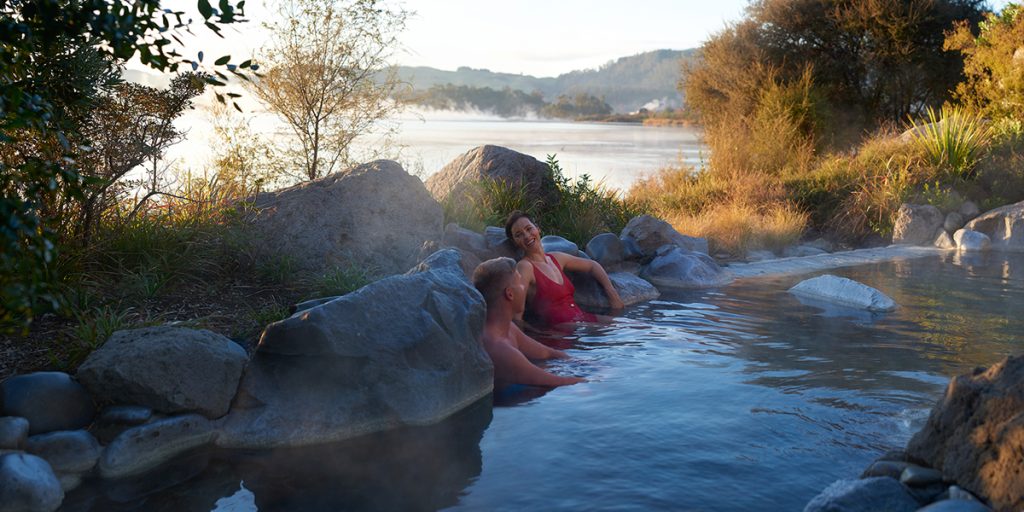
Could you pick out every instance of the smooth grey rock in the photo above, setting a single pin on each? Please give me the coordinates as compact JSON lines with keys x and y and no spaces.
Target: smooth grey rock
{"x":1004,"y":226}
{"x":404,"y":350}
{"x":650,"y":233}
{"x":969,"y":210}
{"x":971,"y":241}
{"x":606,"y":249}
{"x":802,"y":251}
{"x":465,"y":239}
{"x":673,"y":267}
{"x":145,"y":447}
{"x":73,"y":451}
{"x":375,"y":215}
{"x":955,"y":492}
{"x":866,"y":495}
{"x":955,"y":505}
{"x":845,"y":292}
{"x":917,"y":476}
{"x":760,"y":255}
{"x":953,"y":222}
{"x":69,"y":481}
{"x":916,"y":224}
{"x":126,"y":414}
{"x":311,"y":303}
{"x":13,"y":432}
{"x":50,"y":401}
{"x":632,"y":290}
{"x":169,"y":369}
{"x":631,"y":250}
{"x":27,"y":484}
{"x":499,"y":244}
{"x":985,"y":405}
{"x":944,"y":240}
{"x":555,"y":243}
{"x":456,"y":181}
{"x":889,"y":468}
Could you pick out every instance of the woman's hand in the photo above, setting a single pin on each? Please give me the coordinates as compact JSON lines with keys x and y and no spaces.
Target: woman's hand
{"x":616,"y":303}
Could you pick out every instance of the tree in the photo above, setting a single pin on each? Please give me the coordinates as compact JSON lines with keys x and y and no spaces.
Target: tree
{"x":993,"y":64}
{"x":35,"y":106}
{"x":328,"y":77}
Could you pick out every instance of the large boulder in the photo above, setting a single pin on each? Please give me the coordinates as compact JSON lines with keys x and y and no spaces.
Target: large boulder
{"x":555,"y":243}
{"x":975,"y":434}
{"x":27,"y":484}
{"x":404,"y":350}
{"x":498,"y":244}
{"x":632,"y":289}
{"x":971,"y":241}
{"x":457,"y":179}
{"x":674,"y":267}
{"x":917,"y":224}
{"x":606,"y":249}
{"x":145,"y":447}
{"x":845,"y":292}
{"x":169,"y":369}
{"x":48,"y":400}
{"x":375,"y":215}
{"x":650,"y":233}
{"x":464,"y":239}
{"x":1004,"y":226}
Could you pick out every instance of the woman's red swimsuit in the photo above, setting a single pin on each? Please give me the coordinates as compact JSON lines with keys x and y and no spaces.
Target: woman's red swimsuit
{"x":553,"y":303}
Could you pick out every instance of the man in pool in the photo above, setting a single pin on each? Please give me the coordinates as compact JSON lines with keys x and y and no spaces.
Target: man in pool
{"x":510,"y":349}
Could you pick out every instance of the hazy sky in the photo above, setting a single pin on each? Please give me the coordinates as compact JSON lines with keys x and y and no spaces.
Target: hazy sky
{"x":535,"y":37}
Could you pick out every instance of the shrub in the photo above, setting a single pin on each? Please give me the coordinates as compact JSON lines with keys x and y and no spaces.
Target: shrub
{"x":954,"y":140}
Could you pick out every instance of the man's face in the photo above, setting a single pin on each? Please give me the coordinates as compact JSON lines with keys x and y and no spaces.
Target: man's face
{"x":518,"y":287}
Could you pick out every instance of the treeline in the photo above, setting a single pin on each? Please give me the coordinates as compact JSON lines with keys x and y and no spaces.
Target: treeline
{"x":510,"y":102}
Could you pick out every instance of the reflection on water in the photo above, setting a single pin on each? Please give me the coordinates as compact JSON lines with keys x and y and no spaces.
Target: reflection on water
{"x":741,"y":398}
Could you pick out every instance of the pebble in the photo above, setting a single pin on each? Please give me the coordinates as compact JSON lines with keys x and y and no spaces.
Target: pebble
{"x":126,"y":414}
{"x":28,"y":484}
{"x":13,"y":432}
{"x":67,"y":452}
{"x":917,"y":476}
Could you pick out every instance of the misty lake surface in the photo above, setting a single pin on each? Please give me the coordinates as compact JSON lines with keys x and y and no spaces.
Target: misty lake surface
{"x":738,"y":398}
{"x":615,"y":153}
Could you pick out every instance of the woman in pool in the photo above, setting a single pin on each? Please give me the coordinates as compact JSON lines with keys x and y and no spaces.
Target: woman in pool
{"x":549,"y":292}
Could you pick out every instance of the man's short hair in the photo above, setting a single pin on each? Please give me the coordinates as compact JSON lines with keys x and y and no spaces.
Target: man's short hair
{"x":491,"y":277}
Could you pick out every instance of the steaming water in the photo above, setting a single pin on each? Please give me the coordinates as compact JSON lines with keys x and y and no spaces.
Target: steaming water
{"x":741,"y":398}
{"x":616,"y":153}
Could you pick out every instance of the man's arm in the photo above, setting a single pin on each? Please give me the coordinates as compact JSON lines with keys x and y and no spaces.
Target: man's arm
{"x":532,"y":348}
{"x":511,"y":365}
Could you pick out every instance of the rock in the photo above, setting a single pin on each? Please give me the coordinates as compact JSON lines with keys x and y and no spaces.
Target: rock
{"x":631,"y":250}
{"x":974,"y":434}
{"x":957,"y":493}
{"x":404,"y":350}
{"x":651,"y":233}
{"x":555,"y":243}
{"x":499,"y":244}
{"x":953,"y":222}
{"x":955,"y":505}
{"x":466,"y":240}
{"x":674,"y":267}
{"x":69,"y":481}
{"x":168,"y":369}
{"x":13,"y":432}
{"x":890,"y":468}
{"x":632,"y":290}
{"x":455,"y":181}
{"x":606,"y":249}
{"x":944,"y":241}
{"x":145,"y":447}
{"x":28,"y":484}
{"x":802,"y":251}
{"x":126,"y":414}
{"x":821,"y":243}
{"x":374,"y":215}
{"x":917,"y":476}
{"x":867,"y":495}
{"x":72,"y":451}
{"x":971,"y":241}
{"x":1004,"y":226}
{"x":48,"y":400}
{"x":969,"y":210}
{"x":759,"y":255}
{"x":916,"y":224}
{"x":845,"y":292}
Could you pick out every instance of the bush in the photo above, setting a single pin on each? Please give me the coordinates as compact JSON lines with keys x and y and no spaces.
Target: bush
{"x":954,"y":140}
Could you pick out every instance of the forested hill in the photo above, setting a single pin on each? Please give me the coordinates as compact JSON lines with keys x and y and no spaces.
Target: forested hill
{"x":627,"y":84}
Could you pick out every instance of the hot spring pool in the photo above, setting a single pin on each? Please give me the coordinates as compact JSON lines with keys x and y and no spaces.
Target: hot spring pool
{"x":740,"y":398}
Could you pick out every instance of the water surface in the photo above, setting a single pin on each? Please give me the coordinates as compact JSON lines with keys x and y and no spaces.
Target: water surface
{"x":739,"y":398}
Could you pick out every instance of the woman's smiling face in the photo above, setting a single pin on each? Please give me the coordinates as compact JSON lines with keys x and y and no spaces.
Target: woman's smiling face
{"x":525,"y":234}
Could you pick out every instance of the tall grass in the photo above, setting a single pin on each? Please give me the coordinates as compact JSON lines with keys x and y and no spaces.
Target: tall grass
{"x":954,"y":139}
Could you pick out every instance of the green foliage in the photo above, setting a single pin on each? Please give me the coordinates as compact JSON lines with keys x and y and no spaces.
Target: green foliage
{"x":953,"y":140}
{"x":341,"y":280}
{"x":487,"y":202}
{"x":504,"y":102}
{"x":993,"y":76}
{"x":942,"y":197}
{"x":579,"y":106}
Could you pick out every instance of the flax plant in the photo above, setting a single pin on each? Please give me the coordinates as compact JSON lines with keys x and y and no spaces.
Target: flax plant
{"x":954,"y":139}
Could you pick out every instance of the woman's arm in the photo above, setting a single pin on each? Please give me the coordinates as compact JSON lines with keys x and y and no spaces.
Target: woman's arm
{"x":595,"y":269}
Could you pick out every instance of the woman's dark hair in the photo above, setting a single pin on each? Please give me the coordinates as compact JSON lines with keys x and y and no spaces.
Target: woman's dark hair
{"x":512,"y":218}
